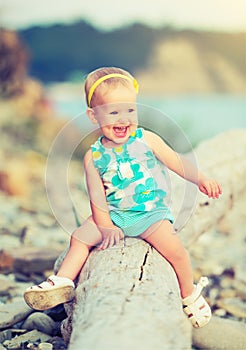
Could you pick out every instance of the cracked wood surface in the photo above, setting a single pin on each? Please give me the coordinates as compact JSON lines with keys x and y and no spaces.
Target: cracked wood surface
{"x":127,"y":297}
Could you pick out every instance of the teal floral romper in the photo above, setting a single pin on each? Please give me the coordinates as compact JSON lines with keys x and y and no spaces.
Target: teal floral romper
{"x":135,"y":183}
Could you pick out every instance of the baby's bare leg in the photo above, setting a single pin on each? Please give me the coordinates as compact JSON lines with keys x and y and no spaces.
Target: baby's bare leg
{"x":60,"y":288}
{"x":82,"y":240}
{"x":163,"y":238}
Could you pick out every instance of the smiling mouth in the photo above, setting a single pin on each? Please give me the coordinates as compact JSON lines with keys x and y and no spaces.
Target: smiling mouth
{"x":120,"y":131}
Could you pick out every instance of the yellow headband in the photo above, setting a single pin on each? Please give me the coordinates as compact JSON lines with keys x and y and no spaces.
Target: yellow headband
{"x":108,"y":76}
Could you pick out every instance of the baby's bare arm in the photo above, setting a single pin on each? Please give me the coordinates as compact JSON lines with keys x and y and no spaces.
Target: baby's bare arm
{"x":111,"y":234}
{"x":95,"y":190}
{"x":182,"y":166}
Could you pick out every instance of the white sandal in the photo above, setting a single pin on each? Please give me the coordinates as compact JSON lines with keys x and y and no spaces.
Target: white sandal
{"x":56,"y":290}
{"x":196,"y":307}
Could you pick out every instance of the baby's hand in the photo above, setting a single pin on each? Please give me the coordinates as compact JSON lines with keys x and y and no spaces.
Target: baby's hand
{"x":110,"y":237}
{"x":210,"y":187}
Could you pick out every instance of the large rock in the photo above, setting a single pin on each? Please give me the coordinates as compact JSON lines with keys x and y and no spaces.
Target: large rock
{"x":221,"y":334}
{"x":30,"y":260}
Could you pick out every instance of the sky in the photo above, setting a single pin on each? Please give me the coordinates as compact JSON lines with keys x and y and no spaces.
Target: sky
{"x":225,"y":15}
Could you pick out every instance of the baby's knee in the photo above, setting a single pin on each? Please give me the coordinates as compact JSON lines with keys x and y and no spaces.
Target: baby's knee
{"x":86,"y":235}
{"x":78,"y":236}
{"x":76,"y":239}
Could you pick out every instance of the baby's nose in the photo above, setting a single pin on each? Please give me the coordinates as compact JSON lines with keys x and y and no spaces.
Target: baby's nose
{"x":122,"y":120}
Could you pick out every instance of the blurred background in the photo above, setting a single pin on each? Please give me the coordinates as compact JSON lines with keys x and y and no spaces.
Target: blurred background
{"x":189,"y":60}
{"x":188,"y":56}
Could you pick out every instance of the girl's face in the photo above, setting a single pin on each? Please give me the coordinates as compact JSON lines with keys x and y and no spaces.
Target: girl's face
{"x":116,"y":114}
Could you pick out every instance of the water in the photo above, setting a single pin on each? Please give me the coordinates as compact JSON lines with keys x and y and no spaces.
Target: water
{"x":200,"y":117}
{"x":203,"y":117}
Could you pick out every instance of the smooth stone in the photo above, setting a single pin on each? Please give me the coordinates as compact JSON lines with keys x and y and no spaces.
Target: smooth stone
{"x":58,"y":343}
{"x":240,"y":286}
{"x":33,"y":259}
{"x":30,"y":337}
{"x":6,"y":286}
{"x":45,"y":346}
{"x":41,"y":322}
{"x":234,"y":306}
{"x":220,"y":334}
{"x":12,"y":313}
{"x":220,"y":312}
{"x":228,"y":293}
{"x":5,"y":335}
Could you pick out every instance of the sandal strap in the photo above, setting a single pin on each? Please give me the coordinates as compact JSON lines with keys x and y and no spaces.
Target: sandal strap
{"x":59,"y":281}
{"x":203,"y":282}
{"x":44,"y":285}
{"x":199,"y":312}
{"x":52,"y":282}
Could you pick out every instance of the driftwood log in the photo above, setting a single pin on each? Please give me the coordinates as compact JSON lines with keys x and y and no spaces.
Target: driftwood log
{"x":128,"y":296}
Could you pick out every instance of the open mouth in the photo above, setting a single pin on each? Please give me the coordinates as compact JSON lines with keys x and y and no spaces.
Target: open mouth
{"x":120,"y":131}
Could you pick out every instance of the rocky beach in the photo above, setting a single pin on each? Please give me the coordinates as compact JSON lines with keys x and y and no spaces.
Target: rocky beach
{"x":31,"y":239}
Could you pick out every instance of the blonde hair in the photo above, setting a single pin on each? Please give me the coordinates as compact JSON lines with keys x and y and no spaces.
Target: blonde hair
{"x":101,"y":72}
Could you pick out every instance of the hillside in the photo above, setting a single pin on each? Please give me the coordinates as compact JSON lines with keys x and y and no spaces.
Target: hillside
{"x":177,"y":61}
{"x":178,"y":66}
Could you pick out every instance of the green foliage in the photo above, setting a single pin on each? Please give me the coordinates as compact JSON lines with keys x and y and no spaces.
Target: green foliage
{"x":57,"y":51}
{"x":60,"y":50}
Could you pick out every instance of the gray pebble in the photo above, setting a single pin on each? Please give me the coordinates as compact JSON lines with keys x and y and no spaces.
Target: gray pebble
{"x":41,"y":322}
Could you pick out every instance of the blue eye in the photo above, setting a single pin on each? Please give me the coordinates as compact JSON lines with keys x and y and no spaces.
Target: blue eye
{"x":113,"y":113}
{"x":130,"y":110}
